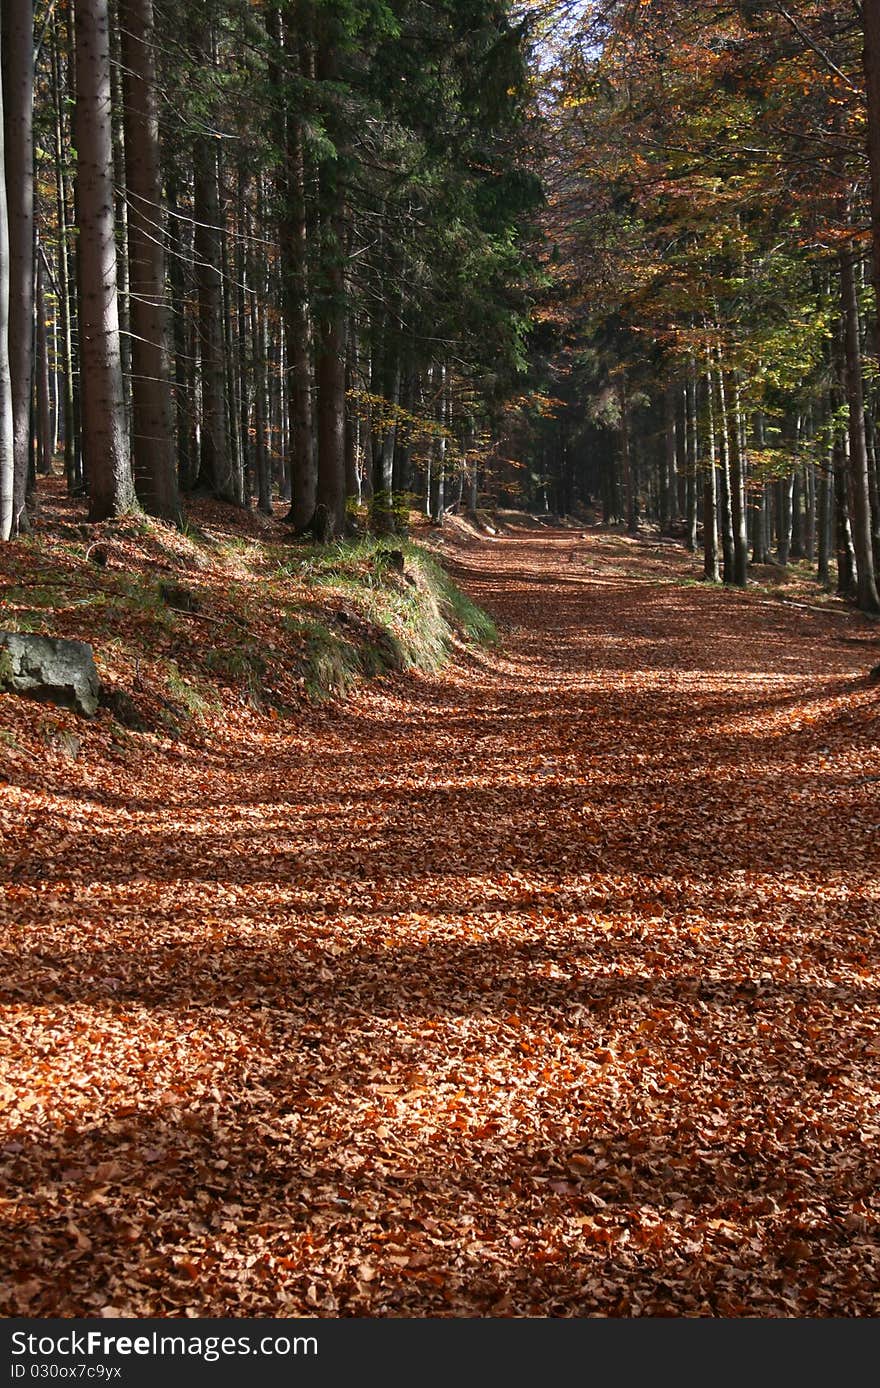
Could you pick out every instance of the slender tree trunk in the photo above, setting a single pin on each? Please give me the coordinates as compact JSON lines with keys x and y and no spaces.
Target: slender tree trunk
{"x":44,"y":413}
{"x":330,"y":495}
{"x":329,"y":520}
{"x":760,"y":544}
{"x":298,"y":412}
{"x":873,"y":485}
{"x":72,"y":462}
{"x":155,"y":473}
{"x":7,"y":433}
{"x":681,"y":454}
{"x":710,"y":493}
{"x":258,"y":329}
{"x":352,"y":472}
{"x":866,"y":584}
{"x":824,"y":512}
{"x":782,"y":499}
{"x":725,"y":509}
{"x":691,"y":492}
{"x":216,"y":470}
{"x":179,"y":260}
{"x":438,"y":508}
{"x":846,"y":559}
{"x":796,"y":550}
{"x":668,"y":490}
{"x":261,"y":455}
{"x":738,"y":493}
{"x":870,"y":16}
{"x":384,"y":439}
{"x":117,"y":108}
{"x":810,"y":512}
{"x":105,"y":441}
{"x":18,"y":115}
{"x":626,"y":458}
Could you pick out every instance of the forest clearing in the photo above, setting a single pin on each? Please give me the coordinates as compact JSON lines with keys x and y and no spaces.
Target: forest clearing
{"x":545,"y":985}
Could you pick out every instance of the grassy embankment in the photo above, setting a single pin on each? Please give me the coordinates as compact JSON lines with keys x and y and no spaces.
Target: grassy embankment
{"x":227,"y":618}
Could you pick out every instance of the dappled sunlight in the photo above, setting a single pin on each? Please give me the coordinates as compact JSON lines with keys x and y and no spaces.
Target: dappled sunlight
{"x":555,"y":978}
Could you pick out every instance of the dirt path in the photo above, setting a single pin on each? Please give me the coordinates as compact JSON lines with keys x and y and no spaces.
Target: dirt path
{"x":547,"y":987}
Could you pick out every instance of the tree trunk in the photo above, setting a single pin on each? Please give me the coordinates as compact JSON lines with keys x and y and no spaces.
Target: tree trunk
{"x":232,"y":375}
{"x":738,"y":493}
{"x":629,"y":490}
{"x":668,"y":489}
{"x":782,"y":500}
{"x":823,"y":520}
{"x":691,"y":490}
{"x":72,"y":461}
{"x":384,"y":439}
{"x":796,"y":550}
{"x":873,"y":485}
{"x":298,"y":413}
{"x":184,"y":402}
{"x":438,"y":507}
{"x":105,"y":441}
{"x":155,"y":473}
{"x":7,"y":438}
{"x":866,"y":585}
{"x":710,"y":494}
{"x":846,"y":559}
{"x":329,"y":518}
{"x":216,"y":473}
{"x":870,"y":15}
{"x":18,"y":117}
{"x":117,"y":107}
{"x":44,"y":412}
{"x":726,"y":511}
{"x":258,"y":329}
{"x":809,"y":484}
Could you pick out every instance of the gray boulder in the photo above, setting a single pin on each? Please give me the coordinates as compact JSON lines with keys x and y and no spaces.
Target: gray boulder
{"x":48,"y":667}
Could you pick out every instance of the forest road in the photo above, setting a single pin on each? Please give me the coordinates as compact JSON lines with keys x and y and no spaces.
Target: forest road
{"x":545,"y":986}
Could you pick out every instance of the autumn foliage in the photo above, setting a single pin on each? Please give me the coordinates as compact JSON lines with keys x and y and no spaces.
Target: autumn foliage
{"x":543,"y":986}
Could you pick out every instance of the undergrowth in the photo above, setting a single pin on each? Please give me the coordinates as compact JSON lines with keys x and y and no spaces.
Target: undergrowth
{"x":185,"y":625}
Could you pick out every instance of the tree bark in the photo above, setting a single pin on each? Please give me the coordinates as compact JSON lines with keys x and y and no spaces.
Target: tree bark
{"x":329,"y":518}
{"x":18,"y":118}
{"x":155,"y":473}
{"x":299,"y":414}
{"x":710,"y":494}
{"x":866,"y":585}
{"x":846,"y":559}
{"x":823,"y":523}
{"x":690,"y":413}
{"x":44,"y":414}
{"x":105,"y":441}
{"x":668,"y":489}
{"x":738,"y":493}
{"x":72,"y":461}
{"x":726,"y":512}
{"x":7,"y":436}
{"x":870,"y":11}
{"x":216,"y":472}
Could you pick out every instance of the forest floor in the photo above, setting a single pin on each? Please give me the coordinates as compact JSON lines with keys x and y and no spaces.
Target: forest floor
{"x":548,"y":985}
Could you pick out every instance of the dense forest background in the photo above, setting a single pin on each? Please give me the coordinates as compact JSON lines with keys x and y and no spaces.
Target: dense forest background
{"x":355,"y":256}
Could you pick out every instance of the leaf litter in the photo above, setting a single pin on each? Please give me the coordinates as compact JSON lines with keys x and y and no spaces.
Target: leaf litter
{"x":547,"y":986}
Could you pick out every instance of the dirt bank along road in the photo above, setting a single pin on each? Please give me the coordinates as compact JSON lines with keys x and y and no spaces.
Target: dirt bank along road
{"x":548,"y":986}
